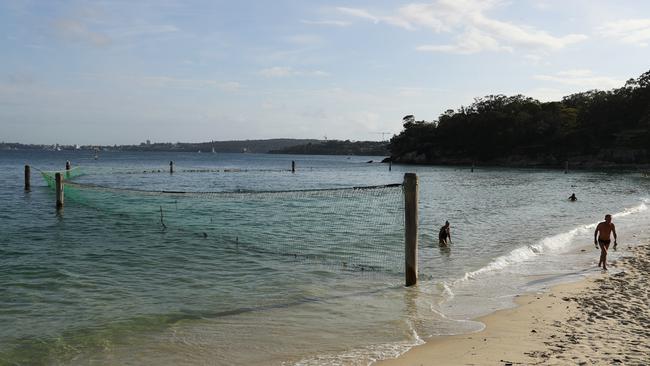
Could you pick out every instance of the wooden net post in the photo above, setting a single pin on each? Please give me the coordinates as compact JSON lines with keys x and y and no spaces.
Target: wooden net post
{"x":59,"y":190}
{"x":28,"y":184}
{"x":411,"y":228}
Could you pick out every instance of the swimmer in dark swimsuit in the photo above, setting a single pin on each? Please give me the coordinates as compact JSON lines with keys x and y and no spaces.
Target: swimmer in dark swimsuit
{"x":573,"y":197}
{"x":444,"y":234}
{"x":605,"y":228}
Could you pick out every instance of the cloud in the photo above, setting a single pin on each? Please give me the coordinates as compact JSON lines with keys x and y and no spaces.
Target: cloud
{"x":276,"y":72}
{"x":143,"y":30}
{"x":333,"y":23}
{"x":106,"y":23}
{"x":364,"y":14}
{"x":476,"y":31}
{"x":585,"y":79}
{"x":171,"y":82}
{"x":534,"y":58}
{"x":511,"y":33}
{"x":165,"y":82}
{"x":360,"y":13}
{"x":304,"y":39}
{"x":279,"y":72}
{"x":79,"y":32}
{"x":230,"y":86}
{"x":632,"y":31}
{"x":472,"y":41}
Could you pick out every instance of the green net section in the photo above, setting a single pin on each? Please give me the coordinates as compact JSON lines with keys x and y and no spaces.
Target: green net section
{"x":67,"y":175}
{"x":359,"y":228}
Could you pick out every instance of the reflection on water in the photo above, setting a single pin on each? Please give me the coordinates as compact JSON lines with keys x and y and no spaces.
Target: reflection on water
{"x":445,"y":250}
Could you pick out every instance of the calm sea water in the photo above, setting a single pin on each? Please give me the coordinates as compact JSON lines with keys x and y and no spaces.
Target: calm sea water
{"x":280,"y":279}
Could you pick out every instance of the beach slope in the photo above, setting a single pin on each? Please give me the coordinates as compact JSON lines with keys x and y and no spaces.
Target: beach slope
{"x":603,"y":320}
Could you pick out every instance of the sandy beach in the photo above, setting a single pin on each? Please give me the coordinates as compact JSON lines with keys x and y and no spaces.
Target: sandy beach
{"x":602,"y":320}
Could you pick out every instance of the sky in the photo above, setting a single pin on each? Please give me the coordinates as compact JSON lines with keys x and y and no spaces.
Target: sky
{"x":122,"y":72}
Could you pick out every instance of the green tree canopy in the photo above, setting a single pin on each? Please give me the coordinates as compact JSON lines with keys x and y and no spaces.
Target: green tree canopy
{"x":595,"y":123}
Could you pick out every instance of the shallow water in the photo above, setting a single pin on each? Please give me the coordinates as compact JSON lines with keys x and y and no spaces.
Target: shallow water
{"x":309,"y":279}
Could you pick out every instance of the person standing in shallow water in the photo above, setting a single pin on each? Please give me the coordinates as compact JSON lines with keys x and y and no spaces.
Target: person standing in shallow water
{"x":573,"y":197}
{"x":606,"y":229}
{"x":444,"y":234}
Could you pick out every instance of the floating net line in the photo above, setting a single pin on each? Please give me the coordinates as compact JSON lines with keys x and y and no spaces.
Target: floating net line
{"x":356,"y":228}
{"x":177,"y":170}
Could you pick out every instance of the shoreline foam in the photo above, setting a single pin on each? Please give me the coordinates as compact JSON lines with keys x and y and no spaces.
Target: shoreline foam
{"x":604,"y":319}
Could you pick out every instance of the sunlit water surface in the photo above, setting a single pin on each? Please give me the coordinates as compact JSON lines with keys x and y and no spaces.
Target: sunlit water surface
{"x":291,"y":278}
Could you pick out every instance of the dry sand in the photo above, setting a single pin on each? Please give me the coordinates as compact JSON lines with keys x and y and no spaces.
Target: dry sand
{"x":603,"y":320}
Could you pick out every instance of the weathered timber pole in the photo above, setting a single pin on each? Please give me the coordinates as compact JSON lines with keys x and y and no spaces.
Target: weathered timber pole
{"x":472,"y":167}
{"x":59,"y":190}
{"x":293,"y":166}
{"x":28,"y":175}
{"x":390,"y":165}
{"x":171,"y":167}
{"x":411,"y":228}
{"x":566,"y":167}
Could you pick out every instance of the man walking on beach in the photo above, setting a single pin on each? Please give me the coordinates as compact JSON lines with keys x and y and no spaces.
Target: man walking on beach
{"x":605,"y":228}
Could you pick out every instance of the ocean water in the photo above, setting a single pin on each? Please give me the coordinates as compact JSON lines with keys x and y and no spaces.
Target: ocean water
{"x":312,"y":275}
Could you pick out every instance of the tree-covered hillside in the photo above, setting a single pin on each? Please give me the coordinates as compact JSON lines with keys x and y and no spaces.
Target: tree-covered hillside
{"x":590,"y":129}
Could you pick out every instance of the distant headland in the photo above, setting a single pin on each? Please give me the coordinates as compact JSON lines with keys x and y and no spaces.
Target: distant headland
{"x":273,"y":146}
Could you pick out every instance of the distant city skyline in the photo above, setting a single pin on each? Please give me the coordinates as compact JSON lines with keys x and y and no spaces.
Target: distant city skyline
{"x":122,"y":72}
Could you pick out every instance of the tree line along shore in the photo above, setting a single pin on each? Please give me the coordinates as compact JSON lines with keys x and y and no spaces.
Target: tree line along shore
{"x":589,"y":129}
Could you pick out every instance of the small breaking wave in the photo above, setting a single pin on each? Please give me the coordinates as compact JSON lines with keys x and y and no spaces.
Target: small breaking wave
{"x":629,"y":211}
{"x":363,"y":355}
{"x":446,"y":291}
{"x":549,"y":244}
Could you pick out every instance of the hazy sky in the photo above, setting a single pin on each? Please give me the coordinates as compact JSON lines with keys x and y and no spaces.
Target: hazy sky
{"x":105,"y":72}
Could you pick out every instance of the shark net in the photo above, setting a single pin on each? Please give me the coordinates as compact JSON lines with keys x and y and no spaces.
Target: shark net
{"x":355,"y":229}
{"x":68,"y":174}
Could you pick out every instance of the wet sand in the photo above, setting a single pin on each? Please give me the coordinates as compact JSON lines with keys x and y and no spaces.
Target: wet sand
{"x":602,"y":320}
